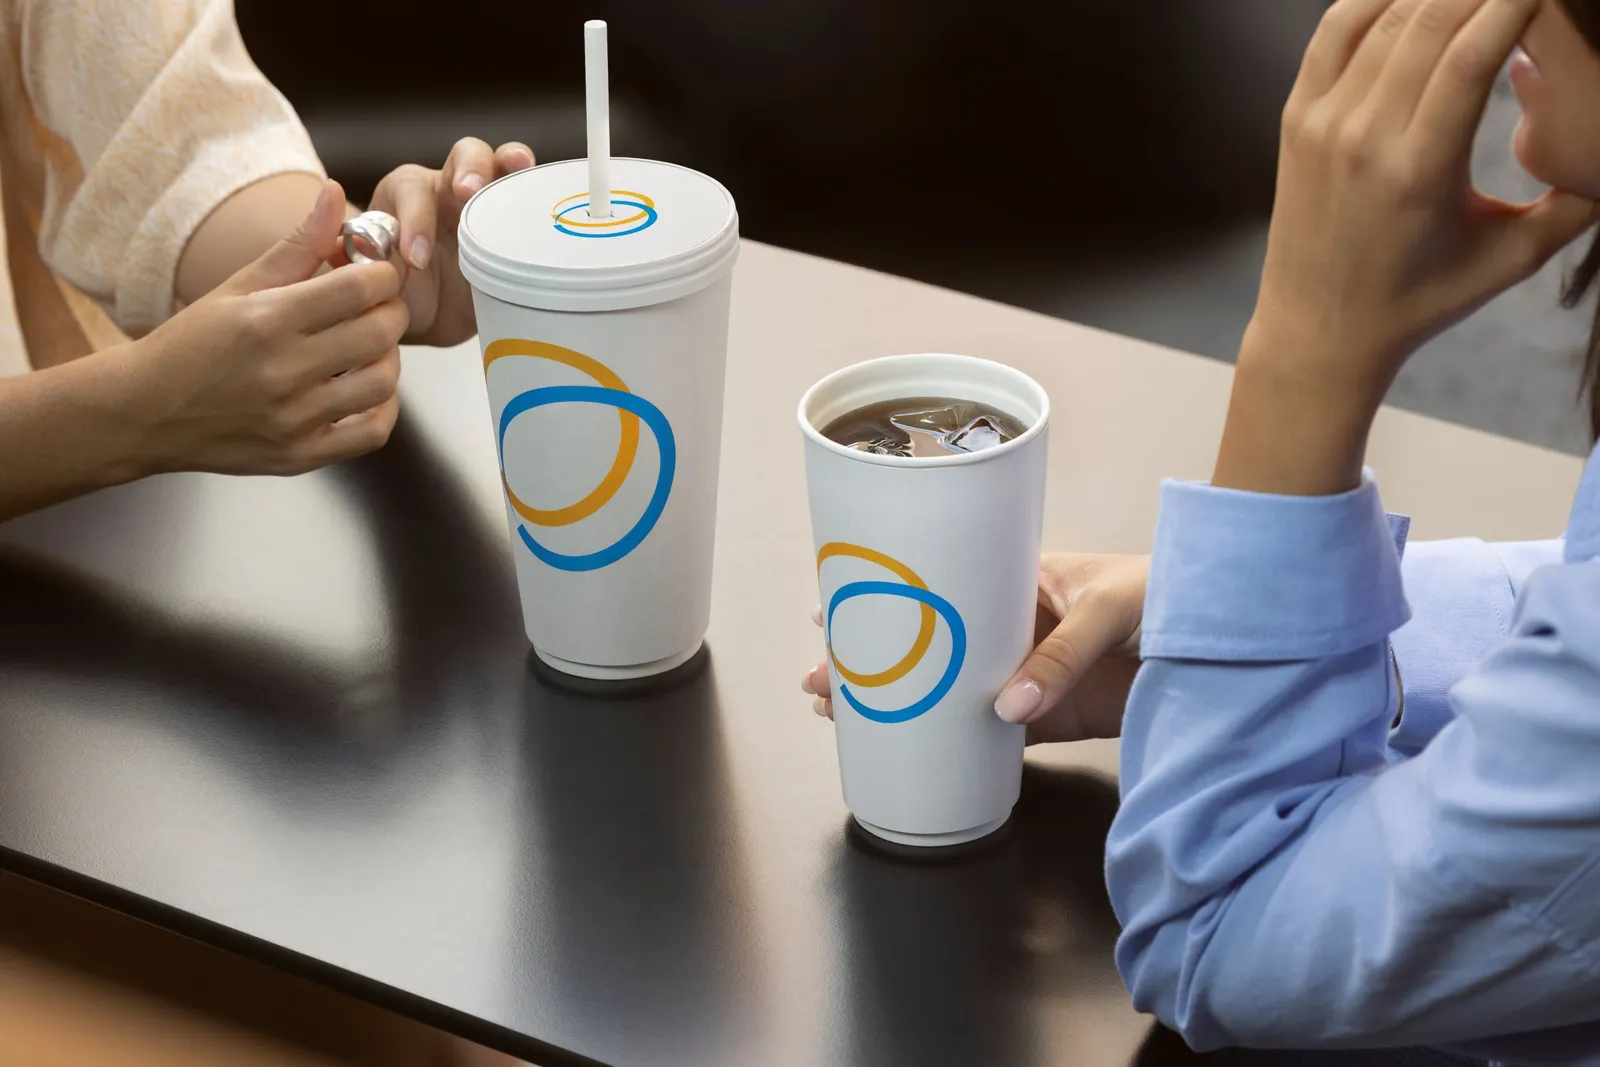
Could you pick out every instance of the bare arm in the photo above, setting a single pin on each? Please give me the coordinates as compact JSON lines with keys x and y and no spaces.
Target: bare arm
{"x":68,"y":430}
{"x":241,"y":228}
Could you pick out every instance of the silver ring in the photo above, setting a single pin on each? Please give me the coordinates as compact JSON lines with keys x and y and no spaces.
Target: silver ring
{"x":379,"y":229}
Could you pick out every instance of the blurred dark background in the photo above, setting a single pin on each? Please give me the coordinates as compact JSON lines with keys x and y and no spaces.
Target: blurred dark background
{"x":1107,"y":161}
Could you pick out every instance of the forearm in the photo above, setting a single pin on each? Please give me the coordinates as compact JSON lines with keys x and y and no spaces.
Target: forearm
{"x":1299,"y":416}
{"x":241,"y":228}
{"x":69,"y":430}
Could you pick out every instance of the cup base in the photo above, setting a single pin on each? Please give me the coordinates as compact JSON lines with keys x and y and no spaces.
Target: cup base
{"x":954,"y":837}
{"x":630,"y":672}
{"x":617,"y":688}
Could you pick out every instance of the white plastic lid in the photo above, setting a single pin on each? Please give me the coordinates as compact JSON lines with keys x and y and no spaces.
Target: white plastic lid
{"x":528,"y":239}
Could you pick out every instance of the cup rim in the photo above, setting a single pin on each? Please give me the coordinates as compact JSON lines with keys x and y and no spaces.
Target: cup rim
{"x":954,"y":459}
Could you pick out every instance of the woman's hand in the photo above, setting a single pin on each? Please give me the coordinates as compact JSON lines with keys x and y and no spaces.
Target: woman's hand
{"x":279,"y":370}
{"x":1379,"y":240}
{"x":428,"y":204}
{"x":1075,"y":684}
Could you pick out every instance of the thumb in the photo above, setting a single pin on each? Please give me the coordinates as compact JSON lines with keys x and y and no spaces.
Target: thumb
{"x":300,"y":255}
{"x":1056,"y":666}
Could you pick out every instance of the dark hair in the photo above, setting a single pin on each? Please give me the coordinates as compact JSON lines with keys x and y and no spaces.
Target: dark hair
{"x":1578,"y":287}
{"x":1586,"y":16}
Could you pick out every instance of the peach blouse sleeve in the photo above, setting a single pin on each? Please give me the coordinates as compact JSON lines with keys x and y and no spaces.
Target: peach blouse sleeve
{"x":158,"y":115}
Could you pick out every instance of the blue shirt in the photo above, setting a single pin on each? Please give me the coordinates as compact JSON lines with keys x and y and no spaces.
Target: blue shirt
{"x":1293,"y":867}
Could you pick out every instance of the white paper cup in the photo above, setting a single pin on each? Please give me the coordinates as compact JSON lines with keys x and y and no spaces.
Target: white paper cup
{"x":928,"y":570}
{"x":604,"y":344}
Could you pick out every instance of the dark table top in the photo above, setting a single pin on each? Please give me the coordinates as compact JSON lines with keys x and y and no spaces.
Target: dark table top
{"x":295,"y":718}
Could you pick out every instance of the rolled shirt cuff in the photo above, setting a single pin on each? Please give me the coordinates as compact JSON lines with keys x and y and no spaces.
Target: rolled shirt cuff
{"x":1257,"y":577}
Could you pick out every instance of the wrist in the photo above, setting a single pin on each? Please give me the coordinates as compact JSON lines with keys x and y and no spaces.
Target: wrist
{"x":134,"y":408}
{"x":67,"y":430}
{"x":1318,"y":356}
{"x":1299,"y":416}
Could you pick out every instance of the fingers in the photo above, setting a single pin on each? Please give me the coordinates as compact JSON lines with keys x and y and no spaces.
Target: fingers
{"x":1416,"y":55}
{"x":1338,"y":36}
{"x":357,"y":342}
{"x":1458,"y":91}
{"x":355,"y":436}
{"x":411,"y":195}
{"x":817,"y":681}
{"x":1059,"y":662}
{"x":470,"y":167}
{"x":337,"y":296}
{"x":360,"y":390}
{"x":512,"y":157}
{"x":1372,"y":54}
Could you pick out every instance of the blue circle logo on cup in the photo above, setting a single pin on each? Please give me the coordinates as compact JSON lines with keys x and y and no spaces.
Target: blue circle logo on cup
{"x":933,"y":607}
{"x":632,"y":409}
{"x":571,"y":218}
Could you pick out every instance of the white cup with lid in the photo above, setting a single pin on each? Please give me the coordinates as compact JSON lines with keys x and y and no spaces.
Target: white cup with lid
{"x":604,"y":342}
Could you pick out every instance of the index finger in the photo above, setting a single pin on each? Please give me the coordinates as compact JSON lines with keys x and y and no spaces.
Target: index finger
{"x":1338,"y":35}
{"x":338,"y":295}
{"x":1453,"y":104}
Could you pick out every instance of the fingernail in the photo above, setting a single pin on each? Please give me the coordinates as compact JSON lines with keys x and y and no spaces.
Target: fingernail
{"x":1019,"y":700}
{"x":472,"y":182}
{"x":805,"y":684}
{"x":820,"y":708}
{"x":421,"y":249}
{"x":816,"y":614}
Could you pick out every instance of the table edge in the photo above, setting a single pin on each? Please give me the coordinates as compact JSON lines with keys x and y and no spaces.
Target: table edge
{"x":331,"y":976}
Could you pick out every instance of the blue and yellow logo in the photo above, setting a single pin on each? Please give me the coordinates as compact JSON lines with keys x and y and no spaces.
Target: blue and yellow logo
{"x":911,"y":587}
{"x":610,"y":392}
{"x":570,"y":219}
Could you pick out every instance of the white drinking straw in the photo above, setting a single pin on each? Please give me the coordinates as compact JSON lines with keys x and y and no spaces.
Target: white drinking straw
{"x":598,"y":95}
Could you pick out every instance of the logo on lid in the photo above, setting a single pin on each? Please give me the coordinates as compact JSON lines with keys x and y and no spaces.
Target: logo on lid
{"x":631,"y":410}
{"x":911,"y":587}
{"x":572,"y":218}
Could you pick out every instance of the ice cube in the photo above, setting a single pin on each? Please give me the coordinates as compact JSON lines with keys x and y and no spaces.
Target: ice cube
{"x":934,"y":420}
{"x":928,"y":429}
{"x":883,"y":446}
{"x":976,"y":436}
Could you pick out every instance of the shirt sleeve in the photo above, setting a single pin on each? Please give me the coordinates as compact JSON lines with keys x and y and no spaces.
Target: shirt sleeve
{"x":1462,"y":594}
{"x":1279,"y":883}
{"x":166,"y":117}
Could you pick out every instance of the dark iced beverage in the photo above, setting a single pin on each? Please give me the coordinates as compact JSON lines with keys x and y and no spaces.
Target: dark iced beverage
{"x":924,"y":426}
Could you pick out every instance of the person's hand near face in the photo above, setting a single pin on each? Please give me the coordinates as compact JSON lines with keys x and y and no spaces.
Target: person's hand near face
{"x":1379,"y":240}
{"x":1075,"y":684}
